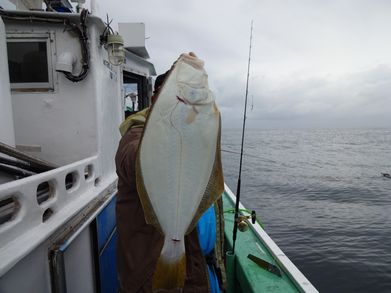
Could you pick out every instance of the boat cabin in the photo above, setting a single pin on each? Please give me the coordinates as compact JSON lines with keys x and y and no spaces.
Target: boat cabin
{"x":63,"y":96}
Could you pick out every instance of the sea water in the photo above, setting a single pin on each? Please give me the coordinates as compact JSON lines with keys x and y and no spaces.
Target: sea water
{"x":322,"y":198}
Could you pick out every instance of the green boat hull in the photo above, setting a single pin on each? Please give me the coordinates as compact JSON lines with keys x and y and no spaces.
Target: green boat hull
{"x":243,"y":274}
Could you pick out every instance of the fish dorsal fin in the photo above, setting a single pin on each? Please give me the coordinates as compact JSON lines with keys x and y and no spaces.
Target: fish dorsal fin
{"x":215,"y":186}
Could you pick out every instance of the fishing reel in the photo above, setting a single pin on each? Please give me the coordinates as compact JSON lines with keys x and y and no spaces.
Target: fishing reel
{"x":242,"y":223}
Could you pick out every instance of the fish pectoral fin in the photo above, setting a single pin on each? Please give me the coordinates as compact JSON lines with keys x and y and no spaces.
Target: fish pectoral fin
{"x":191,"y":114}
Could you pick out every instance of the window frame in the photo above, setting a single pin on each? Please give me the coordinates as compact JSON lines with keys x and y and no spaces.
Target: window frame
{"x":48,"y":38}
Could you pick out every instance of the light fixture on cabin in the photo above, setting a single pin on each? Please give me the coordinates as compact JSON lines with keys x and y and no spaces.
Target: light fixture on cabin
{"x":114,"y":44}
{"x":115,"y":49}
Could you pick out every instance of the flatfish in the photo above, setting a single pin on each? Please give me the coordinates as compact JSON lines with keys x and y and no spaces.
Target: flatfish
{"x":178,"y":167}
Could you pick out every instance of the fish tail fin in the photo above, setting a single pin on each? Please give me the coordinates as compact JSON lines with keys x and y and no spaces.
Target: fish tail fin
{"x":170,"y":272}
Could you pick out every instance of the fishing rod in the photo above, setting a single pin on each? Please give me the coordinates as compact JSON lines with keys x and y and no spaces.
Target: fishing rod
{"x":235,"y":230}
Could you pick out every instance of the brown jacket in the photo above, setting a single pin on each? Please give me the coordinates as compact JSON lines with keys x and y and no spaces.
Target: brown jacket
{"x":139,"y":244}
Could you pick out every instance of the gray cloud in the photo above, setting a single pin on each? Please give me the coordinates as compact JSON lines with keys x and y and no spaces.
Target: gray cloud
{"x":352,"y":100}
{"x":314,"y":63}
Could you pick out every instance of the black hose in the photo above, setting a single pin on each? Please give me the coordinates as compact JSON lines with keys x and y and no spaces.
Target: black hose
{"x":15,"y":171}
{"x":20,"y":165}
{"x":83,"y":37}
{"x":80,"y":31}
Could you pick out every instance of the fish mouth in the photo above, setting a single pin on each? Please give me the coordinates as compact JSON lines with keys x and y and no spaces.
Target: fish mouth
{"x":183,"y":100}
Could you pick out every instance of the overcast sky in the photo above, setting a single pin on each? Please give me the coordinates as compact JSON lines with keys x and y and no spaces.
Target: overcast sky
{"x":315,"y":63}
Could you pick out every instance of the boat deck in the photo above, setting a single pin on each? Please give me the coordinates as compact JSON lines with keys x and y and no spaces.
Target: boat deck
{"x":250,"y":277}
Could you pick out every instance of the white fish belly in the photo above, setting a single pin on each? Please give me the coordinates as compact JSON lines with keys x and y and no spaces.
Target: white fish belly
{"x":178,"y":167}
{"x":176,"y":160}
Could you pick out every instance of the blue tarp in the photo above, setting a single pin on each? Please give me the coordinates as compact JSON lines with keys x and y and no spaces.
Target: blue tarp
{"x":206,"y":228}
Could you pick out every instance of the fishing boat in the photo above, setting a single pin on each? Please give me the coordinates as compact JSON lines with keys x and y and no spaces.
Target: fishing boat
{"x":67,"y":82}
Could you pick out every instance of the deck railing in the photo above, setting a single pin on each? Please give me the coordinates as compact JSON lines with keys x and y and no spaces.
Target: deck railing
{"x":32,"y":208}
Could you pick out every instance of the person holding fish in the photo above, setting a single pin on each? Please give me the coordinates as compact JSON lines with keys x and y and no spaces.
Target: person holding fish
{"x":168,"y":209}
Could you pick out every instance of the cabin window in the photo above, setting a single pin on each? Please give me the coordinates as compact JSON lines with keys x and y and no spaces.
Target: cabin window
{"x":135,"y":93}
{"x":29,"y":62}
{"x":131,"y":98}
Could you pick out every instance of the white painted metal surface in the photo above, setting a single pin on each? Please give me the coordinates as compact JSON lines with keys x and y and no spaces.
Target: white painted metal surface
{"x":73,"y":125}
{"x":31,"y":274}
{"x":138,"y":65}
{"x":27,"y":4}
{"x":79,"y":258}
{"x":289,"y":268}
{"x":7,"y":4}
{"x":134,"y":37}
{"x":55,"y":120}
{"x":7,"y":132}
{"x":35,"y":269}
{"x":27,"y":230}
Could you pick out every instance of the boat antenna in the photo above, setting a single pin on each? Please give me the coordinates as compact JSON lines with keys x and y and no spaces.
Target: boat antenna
{"x":235,"y":230}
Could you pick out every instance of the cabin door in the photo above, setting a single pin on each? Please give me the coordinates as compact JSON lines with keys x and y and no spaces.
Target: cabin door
{"x":84,"y":260}
{"x":137,"y":92}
